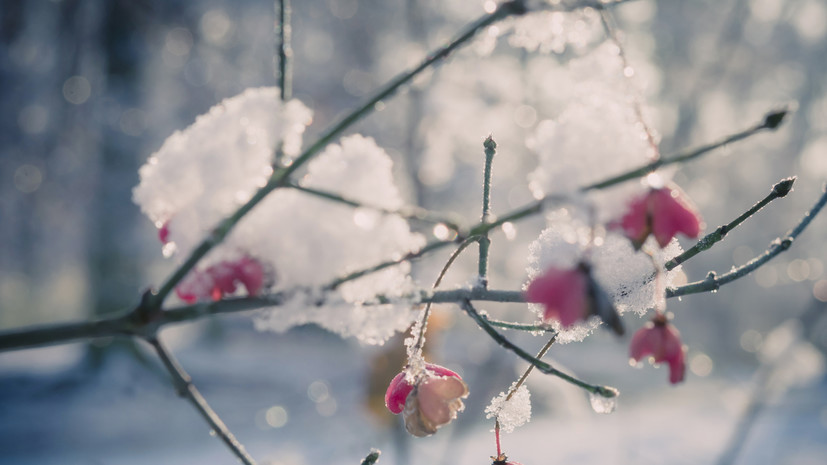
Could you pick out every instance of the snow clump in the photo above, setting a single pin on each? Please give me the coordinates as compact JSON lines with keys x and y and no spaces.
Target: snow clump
{"x":511,"y":413}
{"x":203,"y":174}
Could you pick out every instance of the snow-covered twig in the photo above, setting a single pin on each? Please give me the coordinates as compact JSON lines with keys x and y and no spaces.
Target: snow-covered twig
{"x":780,"y":189}
{"x":284,"y":50}
{"x":407,"y":212}
{"x":712,"y":281}
{"x":771,"y":121}
{"x":484,"y":241}
{"x":541,"y":365}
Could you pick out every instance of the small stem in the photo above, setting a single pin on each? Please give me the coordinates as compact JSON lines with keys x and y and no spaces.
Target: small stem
{"x":427,"y":311}
{"x":372,"y":457}
{"x":484,"y":241}
{"x":183,"y":384}
{"x":712,"y":282}
{"x":497,"y":439}
{"x":780,"y":189}
{"x":518,"y":326}
{"x":771,"y":121}
{"x":285,"y":52}
{"x":541,"y":365}
{"x":407,"y":212}
{"x":530,"y":368}
{"x":609,"y":28}
{"x":381,"y":266}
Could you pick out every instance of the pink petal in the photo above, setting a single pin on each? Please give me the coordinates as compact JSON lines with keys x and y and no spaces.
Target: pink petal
{"x":397,"y":393}
{"x":671,"y":214}
{"x":439,"y":399}
{"x":642,"y":344}
{"x":563,"y":293}
{"x":440,"y":370}
{"x":251,"y":273}
{"x":677,"y":369}
{"x":224,"y":275}
{"x":671,"y":345}
{"x":636,"y":221}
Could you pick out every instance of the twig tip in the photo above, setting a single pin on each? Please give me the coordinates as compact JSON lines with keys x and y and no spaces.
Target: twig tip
{"x":774,"y":118}
{"x":783,"y":187}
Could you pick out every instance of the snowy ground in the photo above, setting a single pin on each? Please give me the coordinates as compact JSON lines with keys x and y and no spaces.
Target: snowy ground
{"x":299,"y":399}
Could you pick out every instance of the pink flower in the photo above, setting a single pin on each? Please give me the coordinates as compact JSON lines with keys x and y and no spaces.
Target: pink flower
{"x":662,"y":212}
{"x":572,"y":295}
{"x":662,"y":342}
{"x":430,"y":403}
{"x":223,"y":278}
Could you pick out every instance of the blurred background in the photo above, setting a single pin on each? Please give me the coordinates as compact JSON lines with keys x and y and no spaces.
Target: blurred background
{"x":91,"y":88}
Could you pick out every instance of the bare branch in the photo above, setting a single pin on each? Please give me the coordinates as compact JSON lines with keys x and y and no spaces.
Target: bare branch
{"x":183,"y":384}
{"x":712,"y":281}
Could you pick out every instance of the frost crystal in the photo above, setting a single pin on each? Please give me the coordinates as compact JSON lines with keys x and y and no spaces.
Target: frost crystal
{"x":511,"y":413}
{"x":204,"y":173}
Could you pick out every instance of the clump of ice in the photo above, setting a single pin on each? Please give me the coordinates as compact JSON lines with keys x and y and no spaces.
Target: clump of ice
{"x":204,"y":173}
{"x":511,"y":413}
{"x":625,"y":274}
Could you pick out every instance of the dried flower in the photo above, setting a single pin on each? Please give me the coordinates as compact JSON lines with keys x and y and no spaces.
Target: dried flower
{"x":572,"y":295}
{"x":430,"y":402}
{"x":660,"y":341}
{"x":662,"y":212}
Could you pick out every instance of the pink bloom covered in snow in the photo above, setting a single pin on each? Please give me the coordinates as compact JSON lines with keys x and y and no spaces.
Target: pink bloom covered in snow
{"x":662,"y":212}
{"x":572,"y":295}
{"x":429,"y":404}
{"x":223,"y":278}
{"x":661,"y":341}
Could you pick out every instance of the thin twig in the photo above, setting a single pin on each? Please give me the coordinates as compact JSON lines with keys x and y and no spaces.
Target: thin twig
{"x":780,"y":189}
{"x":183,"y":384}
{"x":423,"y":325}
{"x":519,"y":326}
{"x":407,"y":212}
{"x":530,"y":368}
{"x":712,"y":281}
{"x":381,"y":266}
{"x":541,"y":365}
{"x":285,"y":52}
{"x":484,"y":242}
{"x":609,"y":27}
{"x":771,"y":121}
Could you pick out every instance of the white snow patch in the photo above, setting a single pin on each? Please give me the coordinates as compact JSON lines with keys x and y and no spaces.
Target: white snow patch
{"x":203,"y":174}
{"x":511,"y":413}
